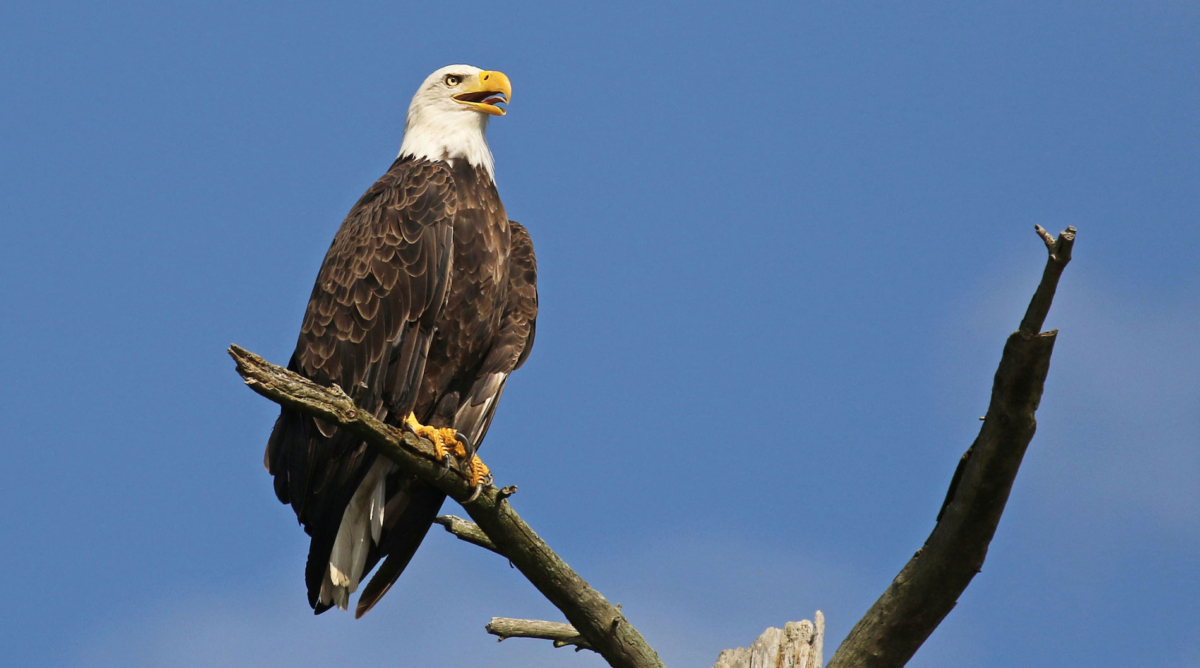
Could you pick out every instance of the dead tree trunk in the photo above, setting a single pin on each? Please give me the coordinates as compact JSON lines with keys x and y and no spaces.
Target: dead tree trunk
{"x":796,"y":645}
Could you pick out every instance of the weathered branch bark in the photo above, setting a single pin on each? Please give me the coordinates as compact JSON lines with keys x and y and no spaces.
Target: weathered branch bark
{"x":468,"y":531}
{"x":928,"y":587}
{"x":796,"y":645}
{"x":597,"y":620}
{"x":561,"y":634}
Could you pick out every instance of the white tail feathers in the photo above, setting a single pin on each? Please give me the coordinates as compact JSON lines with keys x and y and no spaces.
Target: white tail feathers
{"x":362,"y":521}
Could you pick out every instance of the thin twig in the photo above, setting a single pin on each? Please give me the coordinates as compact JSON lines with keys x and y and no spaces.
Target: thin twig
{"x":468,"y":531}
{"x":561,"y":634}
{"x":1060,"y":254}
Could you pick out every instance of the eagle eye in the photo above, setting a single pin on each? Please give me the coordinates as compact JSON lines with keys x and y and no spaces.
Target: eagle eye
{"x":452,"y":79}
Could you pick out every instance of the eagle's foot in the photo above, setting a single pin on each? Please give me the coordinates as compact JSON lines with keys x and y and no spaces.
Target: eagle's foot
{"x":480,"y":475}
{"x":449,"y":445}
{"x":445,"y":441}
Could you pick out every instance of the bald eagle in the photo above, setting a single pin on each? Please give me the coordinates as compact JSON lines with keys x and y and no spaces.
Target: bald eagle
{"x":423,"y":306}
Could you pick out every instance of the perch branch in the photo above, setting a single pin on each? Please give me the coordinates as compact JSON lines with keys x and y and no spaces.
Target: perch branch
{"x":600,"y":622}
{"x":561,"y":634}
{"x":468,"y":531}
{"x":929,"y":585}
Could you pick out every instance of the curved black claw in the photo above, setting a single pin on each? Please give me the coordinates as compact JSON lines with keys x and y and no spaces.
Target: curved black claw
{"x":467,"y":445}
{"x":475,"y":494}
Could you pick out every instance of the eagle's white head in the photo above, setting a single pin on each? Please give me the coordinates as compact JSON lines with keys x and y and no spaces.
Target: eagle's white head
{"x":449,"y":115}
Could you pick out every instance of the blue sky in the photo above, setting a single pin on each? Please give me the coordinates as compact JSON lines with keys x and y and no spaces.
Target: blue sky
{"x":780,"y":248}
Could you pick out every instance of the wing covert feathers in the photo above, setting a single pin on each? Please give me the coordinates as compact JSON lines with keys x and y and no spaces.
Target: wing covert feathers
{"x":368,"y":323}
{"x":386,"y":273}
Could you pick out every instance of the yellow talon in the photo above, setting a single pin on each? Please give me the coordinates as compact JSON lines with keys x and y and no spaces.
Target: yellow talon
{"x":438,"y":437}
{"x":480,"y":472}
{"x":448,"y":438}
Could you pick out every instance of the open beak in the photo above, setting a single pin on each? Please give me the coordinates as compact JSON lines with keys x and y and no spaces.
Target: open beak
{"x":488,"y":90}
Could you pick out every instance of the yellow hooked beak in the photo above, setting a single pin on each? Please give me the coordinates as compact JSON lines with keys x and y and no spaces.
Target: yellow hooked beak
{"x":485,"y":91}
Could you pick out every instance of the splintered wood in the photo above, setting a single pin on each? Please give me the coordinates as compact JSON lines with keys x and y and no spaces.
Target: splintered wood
{"x":796,"y":645}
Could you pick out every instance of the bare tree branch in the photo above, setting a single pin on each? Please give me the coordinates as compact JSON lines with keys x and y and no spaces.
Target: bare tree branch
{"x":468,"y":531}
{"x":1060,"y":255}
{"x":928,"y":587}
{"x":601,"y":623}
{"x":561,"y":634}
